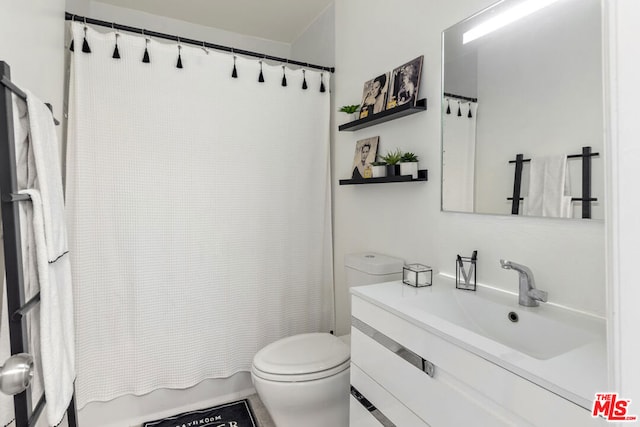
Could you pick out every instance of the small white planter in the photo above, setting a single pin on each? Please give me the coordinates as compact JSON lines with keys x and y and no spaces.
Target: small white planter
{"x":379,"y":171}
{"x":409,"y":168}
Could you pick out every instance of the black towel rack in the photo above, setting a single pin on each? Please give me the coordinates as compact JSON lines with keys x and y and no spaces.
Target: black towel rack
{"x":463,"y":98}
{"x":26,"y":414}
{"x":586,"y":198}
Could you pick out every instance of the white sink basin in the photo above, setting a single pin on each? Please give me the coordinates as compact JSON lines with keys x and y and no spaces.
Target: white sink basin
{"x":559,"y":349}
{"x":538,"y":332}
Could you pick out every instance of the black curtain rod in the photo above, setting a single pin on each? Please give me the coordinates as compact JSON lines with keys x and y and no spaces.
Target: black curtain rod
{"x":71,"y":17}
{"x":464,"y":98}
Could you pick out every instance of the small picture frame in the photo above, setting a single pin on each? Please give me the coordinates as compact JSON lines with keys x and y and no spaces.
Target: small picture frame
{"x":366,"y":152}
{"x":374,"y":95}
{"x":404,"y":84}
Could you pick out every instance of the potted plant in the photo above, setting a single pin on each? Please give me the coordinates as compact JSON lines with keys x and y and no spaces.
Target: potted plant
{"x":379,"y":169}
{"x":409,"y":165}
{"x":392,"y":159}
{"x":351,"y":109}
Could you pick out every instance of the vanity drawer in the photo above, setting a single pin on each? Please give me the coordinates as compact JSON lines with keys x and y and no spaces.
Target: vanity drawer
{"x":471,"y":381}
{"x":388,"y":405}
{"x":359,"y":416}
{"x":435,"y":400}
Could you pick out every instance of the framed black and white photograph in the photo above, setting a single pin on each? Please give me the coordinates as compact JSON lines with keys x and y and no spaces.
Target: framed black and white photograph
{"x":366,"y":151}
{"x":405,"y":82}
{"x":374,"y":95}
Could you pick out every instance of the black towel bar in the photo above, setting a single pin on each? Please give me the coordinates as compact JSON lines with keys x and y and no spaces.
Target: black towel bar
{"x":26,"y":307}
{"x":586,"y":198}
{"x":14,"y":197}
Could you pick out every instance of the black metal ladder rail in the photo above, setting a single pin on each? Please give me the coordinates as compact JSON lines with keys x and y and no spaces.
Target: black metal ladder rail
{"x":586,"y":198}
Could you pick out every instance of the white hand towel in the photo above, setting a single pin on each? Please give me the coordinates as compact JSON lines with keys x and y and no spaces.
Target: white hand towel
{"x":46,"y":155}
{"x":548,"y":188}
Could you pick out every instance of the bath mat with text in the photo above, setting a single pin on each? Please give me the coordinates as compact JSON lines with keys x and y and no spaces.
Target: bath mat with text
{"x":234,"y":414}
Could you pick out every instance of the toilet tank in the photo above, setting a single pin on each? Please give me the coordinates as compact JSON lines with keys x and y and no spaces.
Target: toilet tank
{"x":365,"y":268}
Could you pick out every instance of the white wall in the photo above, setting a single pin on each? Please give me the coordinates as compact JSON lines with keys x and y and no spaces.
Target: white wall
{"x":79,"y":7}
{"x":316,"y":44}
{"x":623,"y":227}
{"x":405,"y":219}
{"x":32,"y":43}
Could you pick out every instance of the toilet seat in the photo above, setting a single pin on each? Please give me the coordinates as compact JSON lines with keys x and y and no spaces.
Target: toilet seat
{"x":303,"y":357}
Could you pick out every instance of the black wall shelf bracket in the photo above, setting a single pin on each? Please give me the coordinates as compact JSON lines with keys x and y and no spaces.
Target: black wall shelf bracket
{"x":423,"y":175}
{"x":385,"y":116}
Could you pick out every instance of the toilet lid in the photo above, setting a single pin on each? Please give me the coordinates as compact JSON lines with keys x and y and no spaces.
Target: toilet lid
{"x":302,"y":354}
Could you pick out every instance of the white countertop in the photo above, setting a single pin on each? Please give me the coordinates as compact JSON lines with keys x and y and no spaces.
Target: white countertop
{"x":575,"y":375}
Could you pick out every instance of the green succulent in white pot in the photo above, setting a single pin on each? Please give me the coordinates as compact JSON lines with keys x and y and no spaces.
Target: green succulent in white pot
{"x":379,"y":169}
{"x":409,"y":165}
{"x":352,"y":110}
{"x":392,"y":159}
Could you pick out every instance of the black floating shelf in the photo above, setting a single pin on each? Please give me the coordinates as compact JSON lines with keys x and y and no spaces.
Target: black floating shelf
{"x":423,"y":175}
{"x":385,"y":116}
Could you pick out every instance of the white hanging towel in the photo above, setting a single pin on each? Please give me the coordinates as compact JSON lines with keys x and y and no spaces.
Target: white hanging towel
{"x":57,"y":343}
{"x":31,"y":286}
{"x":549,"y":188}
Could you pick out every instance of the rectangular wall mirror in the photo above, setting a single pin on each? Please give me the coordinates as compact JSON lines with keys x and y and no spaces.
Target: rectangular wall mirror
{"x":523,"y":110}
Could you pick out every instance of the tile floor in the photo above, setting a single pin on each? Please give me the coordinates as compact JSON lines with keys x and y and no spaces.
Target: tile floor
{"x":262,"y":416}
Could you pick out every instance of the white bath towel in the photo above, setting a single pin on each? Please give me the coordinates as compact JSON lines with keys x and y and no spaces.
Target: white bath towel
{"x":48,"y":238}
{"x":31,"y":287}
{"x":549,"y":192}
{"x":57,"y":346}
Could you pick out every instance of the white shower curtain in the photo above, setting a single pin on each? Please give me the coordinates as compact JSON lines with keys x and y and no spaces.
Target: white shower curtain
{"x":459,"y":156}
{"x":199,"y":212}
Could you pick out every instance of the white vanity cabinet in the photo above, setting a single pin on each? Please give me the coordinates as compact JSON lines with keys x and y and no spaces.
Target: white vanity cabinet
{"x":390,"y":358}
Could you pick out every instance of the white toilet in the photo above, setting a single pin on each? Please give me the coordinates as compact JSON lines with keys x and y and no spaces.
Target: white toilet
{"x":303,"y":380}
